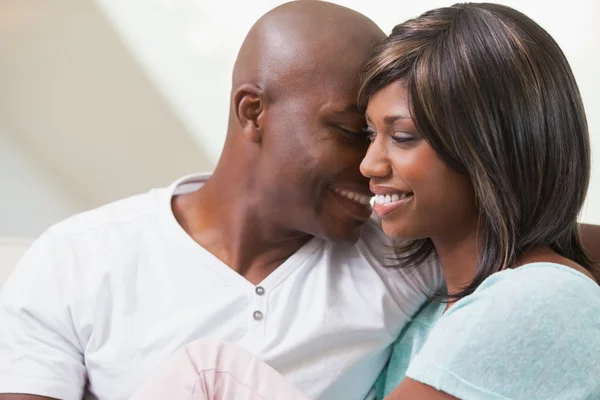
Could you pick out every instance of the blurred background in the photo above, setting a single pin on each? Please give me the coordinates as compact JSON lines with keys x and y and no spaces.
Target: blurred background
{"x":102,"y":99}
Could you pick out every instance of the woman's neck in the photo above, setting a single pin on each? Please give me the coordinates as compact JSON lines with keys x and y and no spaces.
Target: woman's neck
{"x":458,"y":259}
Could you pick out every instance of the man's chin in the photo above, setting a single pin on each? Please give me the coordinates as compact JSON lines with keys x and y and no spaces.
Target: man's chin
{"x":344,"y":235}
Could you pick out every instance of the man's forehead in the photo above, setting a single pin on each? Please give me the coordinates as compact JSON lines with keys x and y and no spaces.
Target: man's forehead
{"x":341,"y":109}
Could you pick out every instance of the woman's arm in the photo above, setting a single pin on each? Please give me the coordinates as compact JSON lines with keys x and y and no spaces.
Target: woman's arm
{"x":411,"y":389}
{"x":494,"y":344}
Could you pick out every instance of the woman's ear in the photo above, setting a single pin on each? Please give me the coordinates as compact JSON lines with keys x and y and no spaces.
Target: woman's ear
{"x":248,"y":103}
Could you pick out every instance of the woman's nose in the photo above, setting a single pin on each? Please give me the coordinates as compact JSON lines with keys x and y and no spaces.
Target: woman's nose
{"x":375,"y":164}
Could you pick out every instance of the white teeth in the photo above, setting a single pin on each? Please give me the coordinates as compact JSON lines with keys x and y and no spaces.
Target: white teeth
{"x":386,"y":198}
{"x":356,"y":197}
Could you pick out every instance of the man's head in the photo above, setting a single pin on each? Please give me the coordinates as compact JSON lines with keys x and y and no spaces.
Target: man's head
{"x":294,"y":122}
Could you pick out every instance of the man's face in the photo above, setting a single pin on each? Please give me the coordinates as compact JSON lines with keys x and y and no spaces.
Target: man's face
{"x":314,"y":143}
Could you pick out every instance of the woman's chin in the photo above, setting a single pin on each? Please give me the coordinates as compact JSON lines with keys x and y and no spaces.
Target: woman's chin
{"x":398,"y":231}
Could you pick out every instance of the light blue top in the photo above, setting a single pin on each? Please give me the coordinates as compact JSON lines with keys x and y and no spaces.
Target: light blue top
{"x":527,"y":333}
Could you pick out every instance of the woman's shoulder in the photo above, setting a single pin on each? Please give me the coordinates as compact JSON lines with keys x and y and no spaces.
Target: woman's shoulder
{"x":528,"y":332}
{"x":536,"y":297}
{"x":549,"y":258}
{"x":540,"y":282}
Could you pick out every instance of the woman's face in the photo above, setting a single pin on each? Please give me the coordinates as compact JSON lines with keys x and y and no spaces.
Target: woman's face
{"x":417,"y":195}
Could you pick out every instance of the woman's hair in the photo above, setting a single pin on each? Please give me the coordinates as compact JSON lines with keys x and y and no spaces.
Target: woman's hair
{"x":493,"y":94}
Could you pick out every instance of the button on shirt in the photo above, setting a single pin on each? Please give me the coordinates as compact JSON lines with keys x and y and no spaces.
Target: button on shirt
{"x":109,"y":294}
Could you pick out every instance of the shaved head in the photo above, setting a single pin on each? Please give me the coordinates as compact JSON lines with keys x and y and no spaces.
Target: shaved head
{"x":295,"y":140}
{"x":303,"y":43}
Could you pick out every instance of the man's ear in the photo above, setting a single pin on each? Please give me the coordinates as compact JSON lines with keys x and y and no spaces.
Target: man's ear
{"x":249,"y":104}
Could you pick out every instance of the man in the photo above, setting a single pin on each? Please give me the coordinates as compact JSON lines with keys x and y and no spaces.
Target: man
{"x":272,"y":252}
{"x":262,"y":253}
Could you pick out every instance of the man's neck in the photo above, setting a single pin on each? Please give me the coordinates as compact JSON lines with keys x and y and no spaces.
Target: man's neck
{"x":225,"y":219}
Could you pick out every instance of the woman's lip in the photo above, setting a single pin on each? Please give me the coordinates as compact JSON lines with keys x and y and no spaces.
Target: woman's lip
{"x":383,"y":210}
{"x":376,"y":189}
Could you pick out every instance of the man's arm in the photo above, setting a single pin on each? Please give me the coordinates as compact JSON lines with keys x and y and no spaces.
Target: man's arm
{"x":590,"y":236}
{"x":411,"y":389}
{"x":40,"y":355}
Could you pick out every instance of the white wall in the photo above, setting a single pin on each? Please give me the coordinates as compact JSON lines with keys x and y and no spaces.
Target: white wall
{"x":81,"y":117}
{"x":188,"y":48}
{"x":31,"y":196}
{"x":11,"y":251}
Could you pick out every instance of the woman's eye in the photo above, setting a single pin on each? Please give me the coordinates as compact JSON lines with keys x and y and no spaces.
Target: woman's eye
{"x":402,"y":137}
{"x":369,"y":133}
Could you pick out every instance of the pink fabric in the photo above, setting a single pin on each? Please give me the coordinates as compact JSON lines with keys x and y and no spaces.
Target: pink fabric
{"x":211,"y":370}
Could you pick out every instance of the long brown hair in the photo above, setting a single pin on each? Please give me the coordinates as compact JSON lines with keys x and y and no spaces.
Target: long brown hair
{"x":494,"y":95}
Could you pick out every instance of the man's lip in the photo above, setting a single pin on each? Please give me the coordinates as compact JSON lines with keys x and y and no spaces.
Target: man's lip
{"x":378,"y":189}
{"x":362,"y":190}
{"x":359,"y":211}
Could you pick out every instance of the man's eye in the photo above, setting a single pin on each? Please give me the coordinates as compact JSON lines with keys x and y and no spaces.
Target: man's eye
{"x":361,"y":135}
{"x":369,"y":133}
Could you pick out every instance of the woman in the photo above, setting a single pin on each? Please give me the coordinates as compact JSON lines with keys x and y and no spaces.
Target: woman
{"x":480,"y":159}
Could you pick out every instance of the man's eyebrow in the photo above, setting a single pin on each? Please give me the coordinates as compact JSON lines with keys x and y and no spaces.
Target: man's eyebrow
{"x":390,"y":119}
{"x":349,"y":108}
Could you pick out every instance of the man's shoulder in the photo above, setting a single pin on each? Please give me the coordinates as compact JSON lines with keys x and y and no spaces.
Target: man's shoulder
{"x":124,"y":213}
{"x":375,"y":243}
{"x":373,"y":238}
{"x":90,"y":245}
{"x":133,"y":212}
{"x":372,"y":246}
{"x":372,"y":228}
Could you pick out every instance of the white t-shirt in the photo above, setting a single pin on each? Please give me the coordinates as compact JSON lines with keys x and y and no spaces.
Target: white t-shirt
{"x":107,"y":295}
